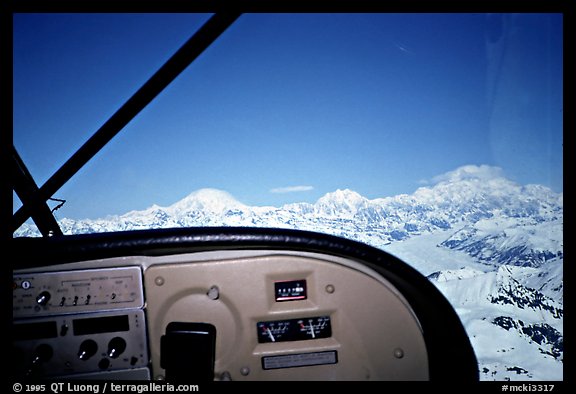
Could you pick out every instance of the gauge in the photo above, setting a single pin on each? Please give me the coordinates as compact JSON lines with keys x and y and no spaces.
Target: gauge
{"x":273,"y":331}
{"x":294,"y":329}
{"x":290,"y":290}
{"x":315,"y":327}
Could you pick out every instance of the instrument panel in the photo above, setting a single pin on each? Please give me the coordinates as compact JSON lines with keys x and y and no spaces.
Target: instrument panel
{"x":330,"y":332}
{"x":273,"y":315}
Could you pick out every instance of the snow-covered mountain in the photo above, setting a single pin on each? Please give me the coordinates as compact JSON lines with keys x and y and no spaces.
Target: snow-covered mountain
{"x":515,"y":330}
{"x":510,"y":240}
{"x":493,"y":247}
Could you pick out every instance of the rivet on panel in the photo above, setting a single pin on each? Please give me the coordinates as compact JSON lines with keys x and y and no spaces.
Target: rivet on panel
{"x":159,"y":281}
{"x":213,"y":293}
{"x":245,"y":371}
{"x":330,"y":289}
{"x":398,"y":353}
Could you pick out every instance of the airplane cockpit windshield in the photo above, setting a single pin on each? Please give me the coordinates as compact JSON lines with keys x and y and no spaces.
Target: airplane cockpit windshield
{"x":287,"y":196}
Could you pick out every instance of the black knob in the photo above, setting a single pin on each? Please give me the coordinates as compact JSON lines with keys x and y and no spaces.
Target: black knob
{"x":42,"y":353}
{"x":104,"y":363}
{"x":43,"y":298}
{"x":88,"y":348}
{"x":116,"y":347}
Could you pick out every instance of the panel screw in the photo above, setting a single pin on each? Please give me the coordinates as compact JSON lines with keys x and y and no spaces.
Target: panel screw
{"x":398,"y":353}
{"x":330,"y":289}
{"x":159,"y":281}
{"x":245,"y":371}
{"x":225,"y":376}
{"x":213,"y":293}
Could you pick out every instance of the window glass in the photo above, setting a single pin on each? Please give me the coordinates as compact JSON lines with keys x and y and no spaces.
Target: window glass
{"x":435,"y":137}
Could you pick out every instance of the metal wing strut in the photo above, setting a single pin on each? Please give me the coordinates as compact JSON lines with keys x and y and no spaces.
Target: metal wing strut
{"x":35,"y":198}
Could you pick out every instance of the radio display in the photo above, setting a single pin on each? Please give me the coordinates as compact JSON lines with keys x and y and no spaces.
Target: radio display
{"x":99,"y":325}
{"x":30,"y":331}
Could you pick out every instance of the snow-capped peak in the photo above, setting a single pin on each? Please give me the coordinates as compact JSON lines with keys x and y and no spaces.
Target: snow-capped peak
{"x":341,"y":201}
{"x":206,"y":200}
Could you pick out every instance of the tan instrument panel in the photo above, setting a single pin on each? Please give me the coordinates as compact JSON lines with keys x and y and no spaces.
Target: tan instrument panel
{"x":287,"y":316}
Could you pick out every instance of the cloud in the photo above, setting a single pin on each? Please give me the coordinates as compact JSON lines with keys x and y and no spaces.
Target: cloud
{"x":291,"y":189}
{"x":482,"y":172}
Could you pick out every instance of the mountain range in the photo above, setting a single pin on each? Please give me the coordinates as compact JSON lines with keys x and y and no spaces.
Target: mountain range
{"x":492,"y":246}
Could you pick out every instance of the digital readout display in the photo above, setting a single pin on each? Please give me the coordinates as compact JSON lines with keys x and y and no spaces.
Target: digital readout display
{"x":99,"y":325}
{"x":30,"y":331}
{"x":290,"y":290}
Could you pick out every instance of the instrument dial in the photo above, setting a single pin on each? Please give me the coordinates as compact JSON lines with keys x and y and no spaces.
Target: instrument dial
{"x":315,"y":327}
{"x":294,"y":329}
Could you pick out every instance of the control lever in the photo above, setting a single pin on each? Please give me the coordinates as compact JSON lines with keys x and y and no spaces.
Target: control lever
{"x":188,"y":351}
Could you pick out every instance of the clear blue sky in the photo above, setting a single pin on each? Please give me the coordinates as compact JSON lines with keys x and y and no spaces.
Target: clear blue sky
{"x":378,"y":103}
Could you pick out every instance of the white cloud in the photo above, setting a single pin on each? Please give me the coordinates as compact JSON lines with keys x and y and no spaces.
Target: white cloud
{"x":482,"y":172}
{"x":291,"y":189}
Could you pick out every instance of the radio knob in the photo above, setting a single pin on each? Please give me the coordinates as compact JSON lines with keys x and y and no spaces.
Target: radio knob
{"x":116,"y":347}
{"x":43,"y":298}
{"x":42,"y":353}
{"x":88,"y":348}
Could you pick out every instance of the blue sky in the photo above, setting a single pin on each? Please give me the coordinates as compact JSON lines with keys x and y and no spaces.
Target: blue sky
{"x":288,"y":107}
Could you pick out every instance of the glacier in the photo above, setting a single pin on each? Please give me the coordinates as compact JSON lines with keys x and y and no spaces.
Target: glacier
{"x":493,"y":247}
